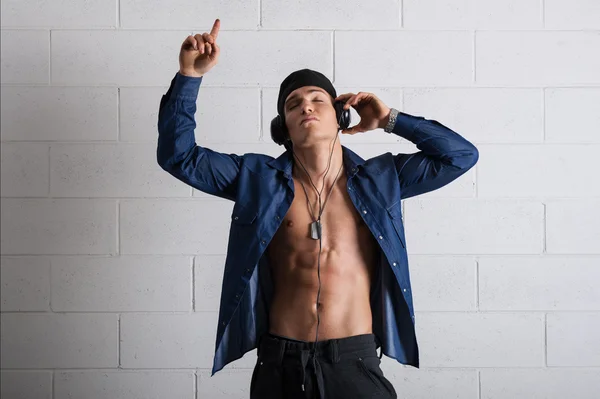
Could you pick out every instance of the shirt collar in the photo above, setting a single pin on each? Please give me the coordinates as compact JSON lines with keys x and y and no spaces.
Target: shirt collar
{"x":284,"y":162}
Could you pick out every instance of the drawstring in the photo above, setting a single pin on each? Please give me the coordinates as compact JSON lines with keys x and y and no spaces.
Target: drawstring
{"x":304,"y":355}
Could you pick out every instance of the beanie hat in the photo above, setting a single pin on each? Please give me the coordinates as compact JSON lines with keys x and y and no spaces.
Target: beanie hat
{"x":301,"y":78}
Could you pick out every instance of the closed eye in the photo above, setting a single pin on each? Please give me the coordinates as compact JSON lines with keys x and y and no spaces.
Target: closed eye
{"x":294,"y":106}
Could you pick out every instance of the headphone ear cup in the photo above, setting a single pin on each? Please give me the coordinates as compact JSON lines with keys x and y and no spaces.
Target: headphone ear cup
{"x":278,"y":130}
{"x":279,"y":133}
{"x":342,"y":115}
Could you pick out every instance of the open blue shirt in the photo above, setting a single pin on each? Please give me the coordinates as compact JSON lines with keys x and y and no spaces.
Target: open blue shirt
{"x":263,"y":189}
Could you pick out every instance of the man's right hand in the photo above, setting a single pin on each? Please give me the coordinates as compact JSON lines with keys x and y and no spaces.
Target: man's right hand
{"x":199,"y":53}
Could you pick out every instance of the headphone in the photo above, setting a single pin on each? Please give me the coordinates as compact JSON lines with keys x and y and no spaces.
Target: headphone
{"x":280,"y":133}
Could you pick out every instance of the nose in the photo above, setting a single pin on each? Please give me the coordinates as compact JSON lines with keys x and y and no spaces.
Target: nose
{"x":306,"y":105}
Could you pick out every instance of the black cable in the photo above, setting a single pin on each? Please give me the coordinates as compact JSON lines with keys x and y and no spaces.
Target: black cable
{"x":319,"y":233}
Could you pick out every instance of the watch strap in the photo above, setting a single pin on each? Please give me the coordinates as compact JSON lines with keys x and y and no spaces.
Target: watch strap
{"x":391,"y":121}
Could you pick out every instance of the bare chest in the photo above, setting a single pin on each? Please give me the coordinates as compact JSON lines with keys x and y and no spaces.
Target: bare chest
{"x":341,"y":224}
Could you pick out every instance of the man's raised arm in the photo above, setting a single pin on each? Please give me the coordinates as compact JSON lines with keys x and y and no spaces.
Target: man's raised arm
{"x":444,"y":155}
{"x":177,"y":153}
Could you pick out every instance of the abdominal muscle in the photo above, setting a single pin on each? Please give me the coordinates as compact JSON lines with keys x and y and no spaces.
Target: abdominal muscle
{"x":348,"y":259}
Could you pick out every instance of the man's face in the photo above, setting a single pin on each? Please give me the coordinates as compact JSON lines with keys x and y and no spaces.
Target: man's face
{"x":310,"y":101}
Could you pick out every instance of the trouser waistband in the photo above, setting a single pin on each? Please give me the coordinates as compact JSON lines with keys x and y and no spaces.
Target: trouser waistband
{"x":274,"y":347}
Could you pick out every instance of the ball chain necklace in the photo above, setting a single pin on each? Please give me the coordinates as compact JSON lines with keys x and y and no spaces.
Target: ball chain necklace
{"x":316,"y":226}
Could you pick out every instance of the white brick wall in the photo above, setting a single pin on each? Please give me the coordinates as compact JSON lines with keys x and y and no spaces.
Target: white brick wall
{"x":111,"y":290}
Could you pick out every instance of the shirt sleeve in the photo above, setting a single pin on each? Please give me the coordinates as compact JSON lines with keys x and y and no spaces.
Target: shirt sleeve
{"x":444,"y":155}
{"x":177,"y":153}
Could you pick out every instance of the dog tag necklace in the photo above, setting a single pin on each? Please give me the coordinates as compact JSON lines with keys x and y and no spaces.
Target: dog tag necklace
{"x":316,"y":227}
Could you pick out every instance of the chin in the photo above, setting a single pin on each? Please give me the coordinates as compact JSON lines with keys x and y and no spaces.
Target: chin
{"x":314,"y":137}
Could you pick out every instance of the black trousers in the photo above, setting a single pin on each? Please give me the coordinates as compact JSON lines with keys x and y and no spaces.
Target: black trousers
{"x":345,"y":368}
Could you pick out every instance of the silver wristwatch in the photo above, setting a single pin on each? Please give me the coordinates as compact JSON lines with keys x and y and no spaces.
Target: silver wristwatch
{"x":391,"y":121}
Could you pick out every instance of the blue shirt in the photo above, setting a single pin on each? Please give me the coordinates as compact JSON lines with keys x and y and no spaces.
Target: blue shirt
{"x":263,"y":189}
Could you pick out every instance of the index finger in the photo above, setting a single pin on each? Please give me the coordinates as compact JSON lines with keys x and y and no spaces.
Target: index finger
{"x":215,"y":29}
{"x":344,"y":96}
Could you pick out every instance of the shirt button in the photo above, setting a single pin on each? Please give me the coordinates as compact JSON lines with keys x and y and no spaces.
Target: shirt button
{"x":236,"y":218}
{"x":380,"y":237}
{"x":223,"y":323}
{"x":404,"y":290}
{"x":263,"y":242}
{"x":354,"y":169}
{"x":365,"y":211}
{"x":237,"y":295}
{"x":248,"y":270}
{"x":277,"y":217}
{"x":394,"y":264}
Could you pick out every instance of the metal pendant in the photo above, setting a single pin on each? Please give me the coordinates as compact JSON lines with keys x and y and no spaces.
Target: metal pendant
{"x":315,"y":230}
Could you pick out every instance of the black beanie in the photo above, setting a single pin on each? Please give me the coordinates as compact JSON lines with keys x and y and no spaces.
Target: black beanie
{"x":301,"y":78}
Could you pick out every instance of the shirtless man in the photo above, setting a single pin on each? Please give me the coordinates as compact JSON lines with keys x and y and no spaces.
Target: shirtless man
{"x":348,"y":254}
{"x":316,"y":276}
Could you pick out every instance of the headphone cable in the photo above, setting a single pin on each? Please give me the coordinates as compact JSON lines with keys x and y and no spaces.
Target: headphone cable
{"x":321,"y":209}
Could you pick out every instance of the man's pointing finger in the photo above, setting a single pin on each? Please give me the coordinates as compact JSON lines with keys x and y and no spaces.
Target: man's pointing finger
{"x":215,"y":29}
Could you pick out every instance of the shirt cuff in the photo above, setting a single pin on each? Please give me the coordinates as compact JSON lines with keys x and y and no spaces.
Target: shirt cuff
{"x":406,"y":124}
{"x":187,"y":86}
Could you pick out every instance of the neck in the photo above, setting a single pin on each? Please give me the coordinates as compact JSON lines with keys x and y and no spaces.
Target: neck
{"x":315,"y":160}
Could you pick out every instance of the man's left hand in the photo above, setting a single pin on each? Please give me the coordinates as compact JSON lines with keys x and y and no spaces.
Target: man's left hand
{"x":372,"y":111}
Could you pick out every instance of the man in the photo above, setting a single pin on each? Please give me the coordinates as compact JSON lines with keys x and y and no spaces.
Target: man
{"x":316,"y":275}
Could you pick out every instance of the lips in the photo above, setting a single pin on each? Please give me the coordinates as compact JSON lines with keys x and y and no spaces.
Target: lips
{"x":308,"y":119}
